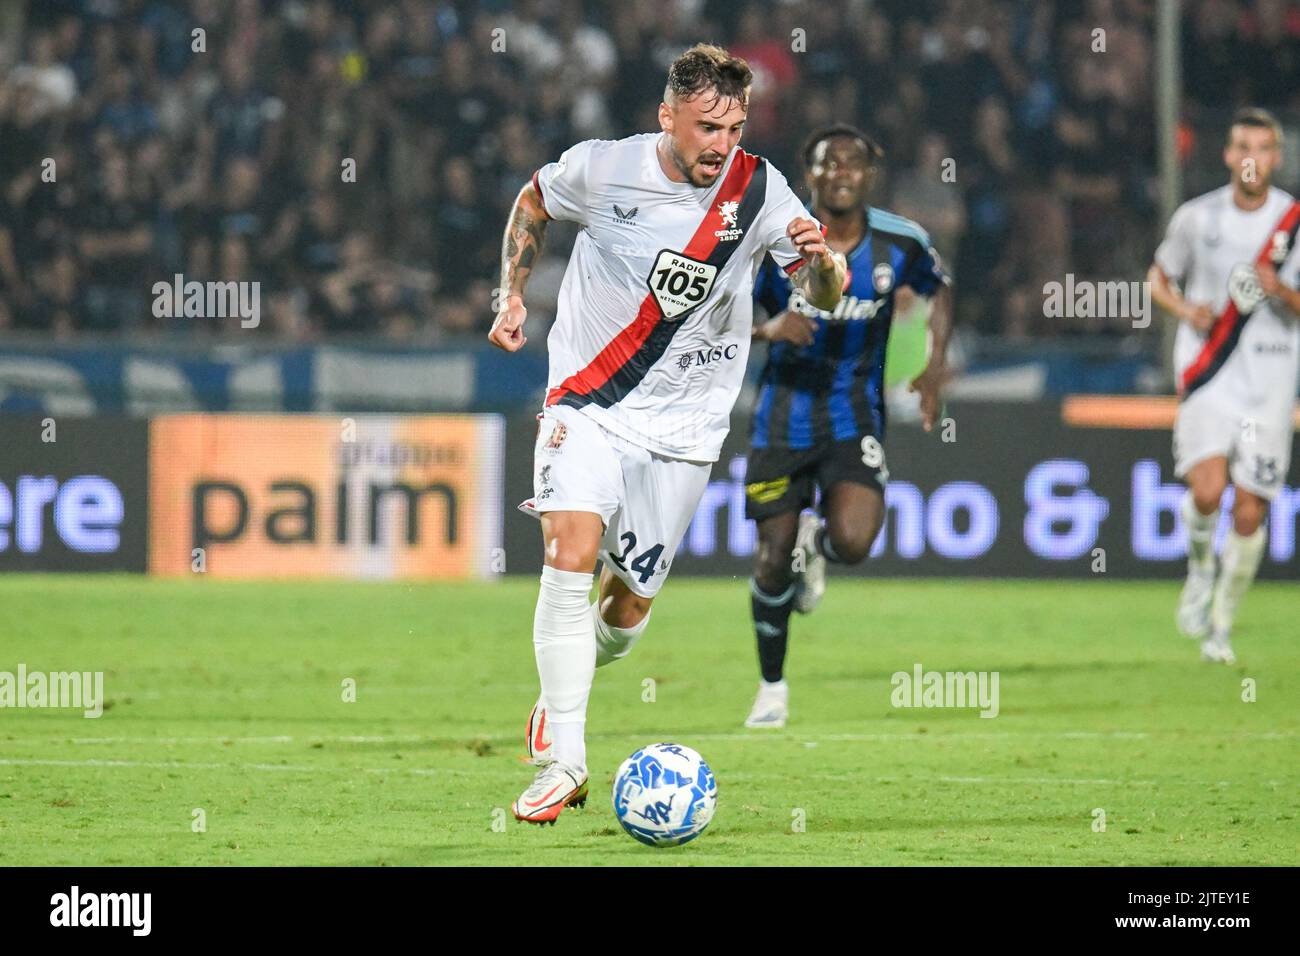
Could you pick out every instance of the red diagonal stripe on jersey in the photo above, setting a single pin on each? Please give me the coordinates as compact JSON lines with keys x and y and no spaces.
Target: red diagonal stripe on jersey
{"x":624,"y":345}
{"x":537,"y":187}
{"x":1218,"y":335}
{"x":1231,"y":318}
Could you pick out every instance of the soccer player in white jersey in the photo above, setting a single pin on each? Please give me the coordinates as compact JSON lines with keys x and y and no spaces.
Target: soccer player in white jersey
{"x":647,"y":356}
{"x":1228,"y":271}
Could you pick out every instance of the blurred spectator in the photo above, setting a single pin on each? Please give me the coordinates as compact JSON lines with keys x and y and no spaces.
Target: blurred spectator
{"x":358,"y":158}
{"x":114,"y":241}
{"x":776,"y":75}
{"x":53,"y":84}
{"x":925,"y":194}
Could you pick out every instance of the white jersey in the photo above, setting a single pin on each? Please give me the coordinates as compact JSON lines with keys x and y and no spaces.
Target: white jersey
{"x":1251,"y":359}
{"x":653,"y":327}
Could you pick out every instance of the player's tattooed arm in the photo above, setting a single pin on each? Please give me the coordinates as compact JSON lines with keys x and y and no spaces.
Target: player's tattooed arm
{"x":821,"y":277}
{"x":523,"y":241}
{"x":519,"y":252}
{"x":929,"y":384}
{"x":1166,"y":295}
{"x":821,"y":280}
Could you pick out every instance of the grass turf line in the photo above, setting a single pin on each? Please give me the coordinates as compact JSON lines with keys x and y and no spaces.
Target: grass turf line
{"x":227,"y":697}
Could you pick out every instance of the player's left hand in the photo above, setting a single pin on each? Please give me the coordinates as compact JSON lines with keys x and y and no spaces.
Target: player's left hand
{"x":930,"y":384}
{"x":789,"y":326}
{"x":808,"y":241}
{"x":1268,"y":280}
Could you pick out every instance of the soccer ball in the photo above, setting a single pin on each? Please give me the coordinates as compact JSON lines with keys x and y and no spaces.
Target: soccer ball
{"x":665,"y":795}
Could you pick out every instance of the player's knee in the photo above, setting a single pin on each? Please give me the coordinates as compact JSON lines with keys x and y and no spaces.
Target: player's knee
{"x":568,"y":556}
{"x":851,"y":541}
{"x":570,"y":540}
{"x":1206,"y":495}
{"x":853,"y":545}
{"x":1247,"y":514}
{"x":570,"y":545}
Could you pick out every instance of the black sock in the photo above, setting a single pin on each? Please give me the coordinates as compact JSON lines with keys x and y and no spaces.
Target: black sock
{"x":771,"y":627}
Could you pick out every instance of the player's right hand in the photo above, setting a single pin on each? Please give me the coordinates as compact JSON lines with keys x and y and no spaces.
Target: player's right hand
{"x":809,"y":241}
{"x":790,"y":326}
{"x":1268,"y":281}
{"x":1199,"y":317}
{"x":508,"y":329}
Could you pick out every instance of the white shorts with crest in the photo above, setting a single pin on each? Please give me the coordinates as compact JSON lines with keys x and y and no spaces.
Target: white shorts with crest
{"x":646,"y":501}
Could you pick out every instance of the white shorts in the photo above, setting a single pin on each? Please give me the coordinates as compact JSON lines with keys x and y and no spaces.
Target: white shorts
{"x":646,"y":501}
{"x":1258,"y":448}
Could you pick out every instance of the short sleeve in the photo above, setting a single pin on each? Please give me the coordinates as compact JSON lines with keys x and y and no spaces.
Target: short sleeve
{"x":782,"y":205}
{"x":924,"y":272}
{"x":1289,"y":270}
{"x":563,"y":184}
{"x":1174,"y":254}
{"x":771,"y":289}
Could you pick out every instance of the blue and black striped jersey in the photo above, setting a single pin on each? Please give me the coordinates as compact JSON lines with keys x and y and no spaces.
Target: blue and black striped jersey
{"x":833,"y":389}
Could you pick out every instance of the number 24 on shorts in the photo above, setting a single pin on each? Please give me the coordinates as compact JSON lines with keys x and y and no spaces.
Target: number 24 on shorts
{"x":643,"y":564}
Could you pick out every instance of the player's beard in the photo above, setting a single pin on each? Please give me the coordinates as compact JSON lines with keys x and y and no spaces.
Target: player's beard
{"x":1256,"y":188}
{"x":840,"y":203}
{"x":695,"y":175}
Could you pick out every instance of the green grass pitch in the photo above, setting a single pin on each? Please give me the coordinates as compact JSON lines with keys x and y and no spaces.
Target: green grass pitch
{"x":226,"y":698}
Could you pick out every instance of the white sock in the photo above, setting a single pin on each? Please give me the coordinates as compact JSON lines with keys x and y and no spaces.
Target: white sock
{"x":569,"y":745}
{"x":564,"y":640}
{"x":1241,"y":557}
{"x":612,"y":642}
{"x":1200,"y":536}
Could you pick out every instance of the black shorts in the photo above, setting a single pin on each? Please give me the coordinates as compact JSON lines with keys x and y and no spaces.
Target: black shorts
{"x":780,"y":480}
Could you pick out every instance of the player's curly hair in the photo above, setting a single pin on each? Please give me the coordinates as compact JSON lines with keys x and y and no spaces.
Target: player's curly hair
{"x":875,"y":152}
{"x":706,"y":67}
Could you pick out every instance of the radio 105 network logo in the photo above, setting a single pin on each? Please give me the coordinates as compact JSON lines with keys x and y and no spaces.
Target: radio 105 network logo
{"x":372,"y":496}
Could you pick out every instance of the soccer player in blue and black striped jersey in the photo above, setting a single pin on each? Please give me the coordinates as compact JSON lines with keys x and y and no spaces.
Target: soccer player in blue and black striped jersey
{"x":820,"y":418}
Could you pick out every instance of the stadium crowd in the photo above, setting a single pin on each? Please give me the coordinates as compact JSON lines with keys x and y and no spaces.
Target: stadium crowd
{"x":133,"y":148}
